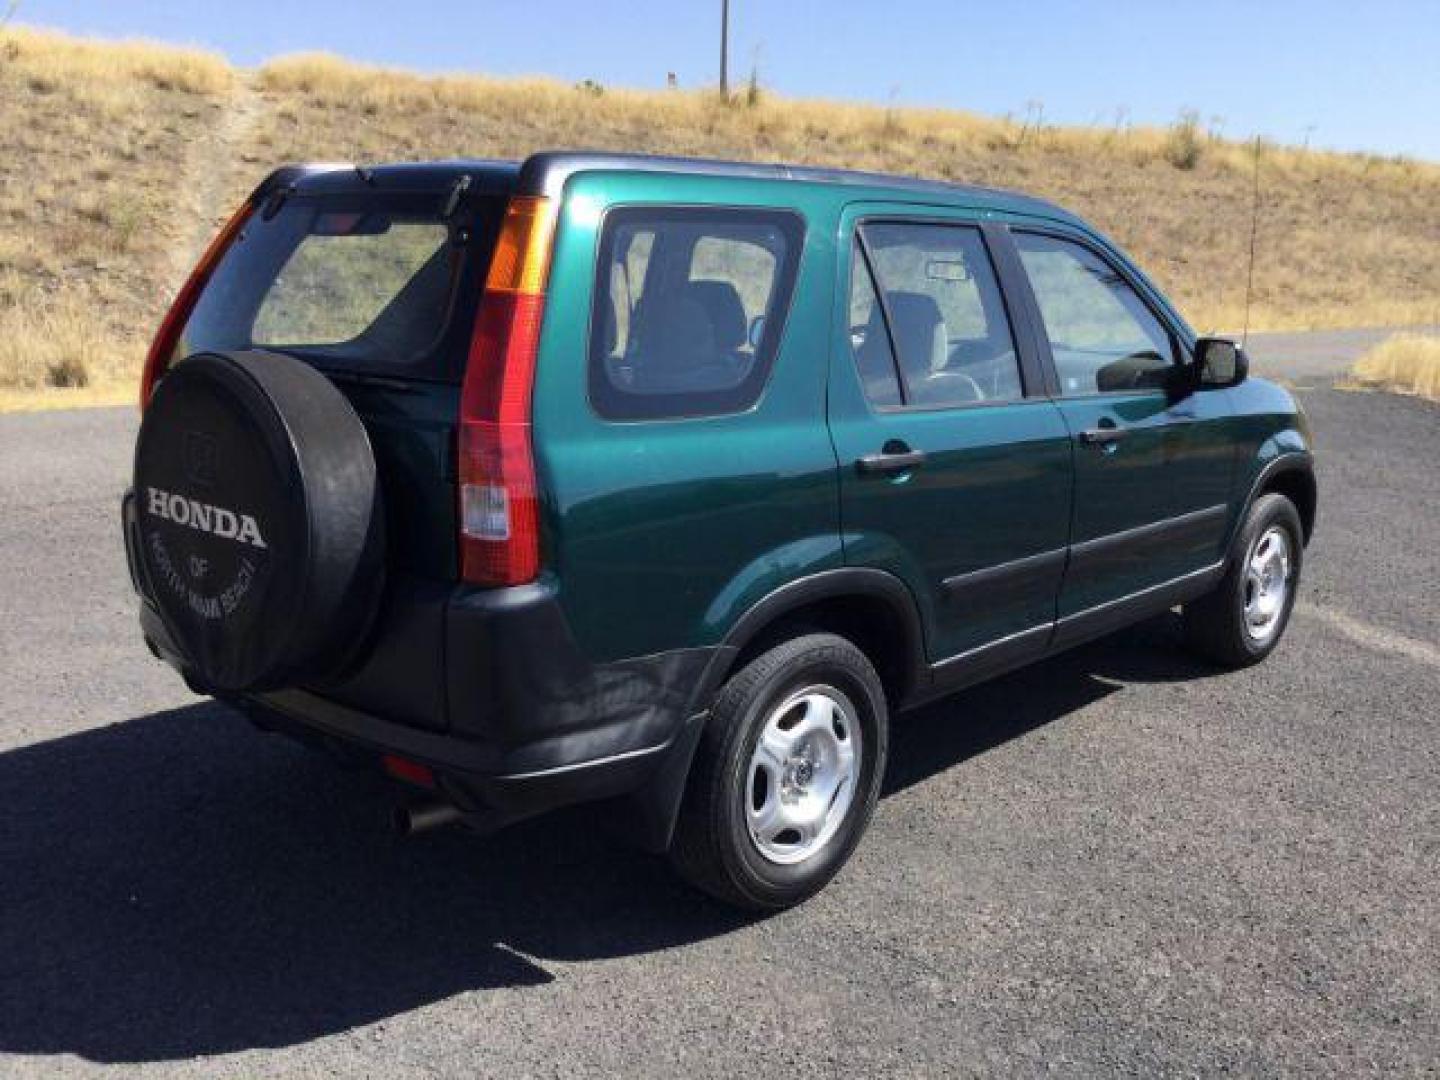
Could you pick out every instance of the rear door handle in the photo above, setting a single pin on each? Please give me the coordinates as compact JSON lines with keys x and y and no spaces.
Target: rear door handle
{"x":1102,"y":436}
{"x":891,"y":461}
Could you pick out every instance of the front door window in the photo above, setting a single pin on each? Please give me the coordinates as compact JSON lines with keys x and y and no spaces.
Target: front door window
{"x":1102,"y":336}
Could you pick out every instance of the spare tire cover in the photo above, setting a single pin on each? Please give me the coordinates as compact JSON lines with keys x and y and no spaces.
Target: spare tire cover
{"x":260,"y":523}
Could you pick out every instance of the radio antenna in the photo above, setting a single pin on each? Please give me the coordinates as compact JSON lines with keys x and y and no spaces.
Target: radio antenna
{"x":1254,"y":228}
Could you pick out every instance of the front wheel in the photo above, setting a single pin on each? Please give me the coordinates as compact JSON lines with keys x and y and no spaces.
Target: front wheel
{"x":786,"y":775}
{"x":1242,"y":620}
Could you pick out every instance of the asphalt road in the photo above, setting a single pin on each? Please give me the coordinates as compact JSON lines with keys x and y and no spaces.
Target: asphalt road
{"x":1118,"y":862}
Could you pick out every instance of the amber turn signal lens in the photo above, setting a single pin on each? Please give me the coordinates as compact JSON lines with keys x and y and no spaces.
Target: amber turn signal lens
{"x":521,"y":262}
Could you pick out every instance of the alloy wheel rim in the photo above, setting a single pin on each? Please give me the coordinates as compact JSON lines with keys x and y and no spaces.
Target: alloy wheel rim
{"x":803,"y":774}
{"x":1267,"y":584}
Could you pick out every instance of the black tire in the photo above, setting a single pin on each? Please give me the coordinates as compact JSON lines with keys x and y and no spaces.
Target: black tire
{"x":713,"y":848}
{"x":261,"y":535}
{"x":1215,"y":624}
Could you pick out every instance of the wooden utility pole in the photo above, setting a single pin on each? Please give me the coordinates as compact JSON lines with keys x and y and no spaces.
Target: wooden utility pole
{"x":725,"y":49}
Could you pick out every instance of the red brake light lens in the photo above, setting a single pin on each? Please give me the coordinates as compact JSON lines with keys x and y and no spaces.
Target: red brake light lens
{"x":167,"y":338}
{"x":499,"y":513}
{"x":411,"y":772}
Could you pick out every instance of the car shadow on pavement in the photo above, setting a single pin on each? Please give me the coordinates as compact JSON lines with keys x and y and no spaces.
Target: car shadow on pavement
{"x":964,"y":725}
{"x":180,"y":885}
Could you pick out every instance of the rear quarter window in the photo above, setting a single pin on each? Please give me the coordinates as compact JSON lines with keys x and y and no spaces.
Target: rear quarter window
{"x":689,"y":307}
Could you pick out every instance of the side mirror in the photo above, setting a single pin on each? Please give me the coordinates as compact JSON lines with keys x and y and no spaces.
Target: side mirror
{"x":1219,"y":363}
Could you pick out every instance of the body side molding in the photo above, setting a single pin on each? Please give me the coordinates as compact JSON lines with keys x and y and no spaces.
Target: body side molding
{"x":1157,"y":532}
{"x":1002,"y":574}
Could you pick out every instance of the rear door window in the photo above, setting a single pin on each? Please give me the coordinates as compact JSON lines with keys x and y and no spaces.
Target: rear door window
{"x":368,"y":283}
{"x":870,"y":339}
{"x":941,"y":313}
{"x":689,"y":306}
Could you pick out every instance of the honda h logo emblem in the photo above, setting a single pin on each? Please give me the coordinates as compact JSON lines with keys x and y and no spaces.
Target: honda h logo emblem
{"x":201,"y":457}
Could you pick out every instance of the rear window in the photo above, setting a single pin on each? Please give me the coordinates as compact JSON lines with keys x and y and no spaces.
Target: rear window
{"x":689,"y":306}
{"x":366,"y":283}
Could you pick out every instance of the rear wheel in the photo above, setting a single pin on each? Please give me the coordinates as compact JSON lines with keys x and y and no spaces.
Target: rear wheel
{"x":786,"y":776}
{"x":1243,"y":619}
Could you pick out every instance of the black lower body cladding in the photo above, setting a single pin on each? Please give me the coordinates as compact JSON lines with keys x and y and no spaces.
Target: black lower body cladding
{"x":502,"y":706}
{"x":517,"y":677}
{"x":258,"y":520}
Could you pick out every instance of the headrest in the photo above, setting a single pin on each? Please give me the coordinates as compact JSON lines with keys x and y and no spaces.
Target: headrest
{"x":919,"y":332}
{"x":722,"y":303}
{"x":675,"y":332}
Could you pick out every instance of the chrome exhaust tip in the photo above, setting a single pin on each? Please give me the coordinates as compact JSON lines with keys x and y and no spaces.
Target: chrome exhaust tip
{"x":411,"y":818}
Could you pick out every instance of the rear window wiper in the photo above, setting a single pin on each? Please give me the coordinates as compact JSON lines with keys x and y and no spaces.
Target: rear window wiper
{"x":456,"y":196}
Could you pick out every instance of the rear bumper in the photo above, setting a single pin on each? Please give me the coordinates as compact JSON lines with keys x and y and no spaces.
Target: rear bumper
{"x":489,"y":690}
{"x":471,"y":773}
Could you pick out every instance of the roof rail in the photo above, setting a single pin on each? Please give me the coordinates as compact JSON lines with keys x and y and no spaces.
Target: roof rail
{"x":546,"y":174}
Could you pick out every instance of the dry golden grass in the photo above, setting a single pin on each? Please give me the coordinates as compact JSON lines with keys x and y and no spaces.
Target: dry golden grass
{"x":1405,"y":363}
{"x":53,"y":61}
{"x":97,"y":395}
{"x":121,"y":156}
{"x":97,"y":139}
{"x":54,"y":344}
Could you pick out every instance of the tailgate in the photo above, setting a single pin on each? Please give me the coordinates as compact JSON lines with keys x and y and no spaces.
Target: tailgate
{"x":372,"y":277}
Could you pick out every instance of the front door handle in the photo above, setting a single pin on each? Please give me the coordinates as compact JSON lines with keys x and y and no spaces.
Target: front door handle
{"x":893,"y":459}
{"x":1102,"y":436}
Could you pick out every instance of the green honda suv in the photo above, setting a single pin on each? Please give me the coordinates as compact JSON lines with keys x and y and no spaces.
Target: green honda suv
{"x":664,"y":484}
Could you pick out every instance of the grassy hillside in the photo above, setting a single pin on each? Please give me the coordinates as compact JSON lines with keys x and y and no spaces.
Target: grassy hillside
{"x":96,"y":140}
{"x":121,"y":157}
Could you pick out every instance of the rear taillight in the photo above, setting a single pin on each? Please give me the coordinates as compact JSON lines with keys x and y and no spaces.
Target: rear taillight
{"x":499,"y":513}
{"x":167,"y":339}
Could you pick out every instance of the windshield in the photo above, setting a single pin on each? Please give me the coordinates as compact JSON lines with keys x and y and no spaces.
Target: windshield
{"x":362,"y":282}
